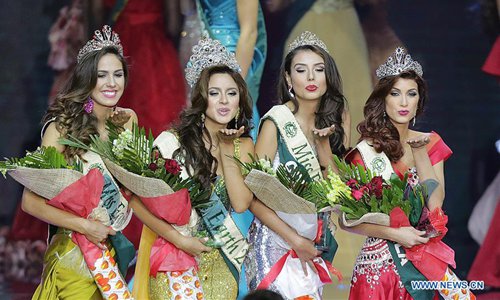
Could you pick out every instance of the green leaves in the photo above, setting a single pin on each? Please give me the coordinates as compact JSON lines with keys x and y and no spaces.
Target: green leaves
{"x":41,"y":158}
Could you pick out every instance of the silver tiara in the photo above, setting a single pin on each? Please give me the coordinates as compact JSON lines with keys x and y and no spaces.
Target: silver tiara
{"x":207,"y":53}
{"x":398,"y":62}
{"x":306,"y":38}
{"x":104,"y":38}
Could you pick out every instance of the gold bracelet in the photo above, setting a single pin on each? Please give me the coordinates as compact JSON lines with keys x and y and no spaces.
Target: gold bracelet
{"x":236,"y":143}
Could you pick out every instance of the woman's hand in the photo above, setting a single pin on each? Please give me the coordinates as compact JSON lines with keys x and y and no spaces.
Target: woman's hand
{"x":120,"y":117}
{"x":97,"y":233}
{"x":324,"y":132}
{"x":409,"y":237}
{"x":419,"y":141}
{"x":306,"y":252}
{"x":229,"y":135}
{"x":194,"y":246}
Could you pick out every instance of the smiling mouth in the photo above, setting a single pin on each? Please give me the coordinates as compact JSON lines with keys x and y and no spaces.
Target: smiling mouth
{"x":109,"y":94}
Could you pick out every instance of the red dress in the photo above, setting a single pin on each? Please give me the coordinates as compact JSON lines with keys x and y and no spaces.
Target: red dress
{"x":375,"y":275}
{"x":155,"y":90}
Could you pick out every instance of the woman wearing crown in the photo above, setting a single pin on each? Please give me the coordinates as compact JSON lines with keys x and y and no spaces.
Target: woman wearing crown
{"x":211,"y":131}
{"x":393,"y":257}
{"x":313,"y":105}
{"x":88,"y":100}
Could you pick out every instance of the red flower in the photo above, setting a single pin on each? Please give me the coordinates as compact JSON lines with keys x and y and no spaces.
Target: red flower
{"x":172,"y":166}
{"x":375,"y":186}
{"x":153,"y":167}
{"x":358,"y":194}
{"x":351,"y":183}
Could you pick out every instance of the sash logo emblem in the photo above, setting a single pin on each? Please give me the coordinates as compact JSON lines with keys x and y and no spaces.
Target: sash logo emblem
{"x":290,"y":129}
{"x":378,"y":165}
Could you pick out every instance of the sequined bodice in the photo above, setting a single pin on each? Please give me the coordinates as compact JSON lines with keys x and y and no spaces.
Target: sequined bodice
{"x":322,"y":6}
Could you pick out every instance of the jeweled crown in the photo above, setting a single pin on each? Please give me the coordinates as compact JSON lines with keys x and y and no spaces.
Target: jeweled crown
{"x":306,"y":38}
{"x":398,"y":62}
{"x":102,"y":38}
{"x":207,"y":53}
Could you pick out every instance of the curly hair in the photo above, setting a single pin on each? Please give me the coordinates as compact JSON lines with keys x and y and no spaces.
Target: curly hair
{"x":382,"y":133}
{"x":190,"y":129}
{"x":332,"y":103}
{"x":67,"y":109}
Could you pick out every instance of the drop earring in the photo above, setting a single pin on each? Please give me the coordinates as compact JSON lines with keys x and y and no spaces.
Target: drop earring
{"x":236,"y":118}
{"x":202,"y":123}
{"x":290,"y":92}
{"x":414,"y":120}
{"x":88,"y":106}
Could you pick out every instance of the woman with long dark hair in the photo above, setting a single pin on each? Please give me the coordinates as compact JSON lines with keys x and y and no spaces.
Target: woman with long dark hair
{"x":389,"y":144}
{"x":210,"y":132}
{"x":311,"y":123}
{"x":88,"y":100}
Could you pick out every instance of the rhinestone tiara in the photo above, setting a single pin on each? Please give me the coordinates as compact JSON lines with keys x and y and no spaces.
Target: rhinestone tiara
{"x":307,"y":38}
{"x":208,"y":52}
{"x":104,"y":38}
{"x":398,"y":62}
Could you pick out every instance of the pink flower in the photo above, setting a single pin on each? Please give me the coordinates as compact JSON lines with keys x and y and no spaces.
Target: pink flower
{"x":172,"y":166}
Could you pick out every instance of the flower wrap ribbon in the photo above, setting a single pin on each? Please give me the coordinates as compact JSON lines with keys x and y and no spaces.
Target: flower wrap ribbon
{"x":100,"y":262}
{"x":174,"y":209}
{"x":432,"y":258}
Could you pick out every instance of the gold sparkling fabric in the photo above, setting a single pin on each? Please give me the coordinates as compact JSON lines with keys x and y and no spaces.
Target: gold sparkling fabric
{"x":216,"y":279}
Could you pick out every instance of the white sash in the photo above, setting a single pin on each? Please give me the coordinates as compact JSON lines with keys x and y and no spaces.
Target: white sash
{"x":378,"y":163}
{"x":295,"y":140}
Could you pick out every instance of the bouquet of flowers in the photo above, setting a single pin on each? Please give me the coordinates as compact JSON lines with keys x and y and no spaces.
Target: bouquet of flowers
{"x":47,"y":173}
{"x":286,"y":190}
{"x":363,"y":197}
{"x":134,"y":161}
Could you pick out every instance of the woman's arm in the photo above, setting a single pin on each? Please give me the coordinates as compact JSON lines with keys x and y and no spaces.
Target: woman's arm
{"x":346,"y":124}
{"x":247,"y":17}
{"x":239,"y":194}
{"x":405,"y":236}
{"x":37,"y":206}
{"x":189,"y":245}
{"x":426,"y":170}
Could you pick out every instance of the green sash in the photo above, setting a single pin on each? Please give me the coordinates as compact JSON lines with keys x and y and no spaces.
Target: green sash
{"x":379,"y":163}
{"x":216,"y":217}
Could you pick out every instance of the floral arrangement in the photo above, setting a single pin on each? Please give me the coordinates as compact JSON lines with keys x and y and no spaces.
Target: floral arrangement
{"x":42,"y":158}
{"x":133,"y":150}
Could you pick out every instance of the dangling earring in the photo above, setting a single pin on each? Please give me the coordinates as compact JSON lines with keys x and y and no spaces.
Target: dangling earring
{"x":385,"y":115}
{"x":88,"y":106}
{"x":414,"y":120}
{"x":202,"y":123}
{"x":236,"y":118}
{"x":290,"y":92}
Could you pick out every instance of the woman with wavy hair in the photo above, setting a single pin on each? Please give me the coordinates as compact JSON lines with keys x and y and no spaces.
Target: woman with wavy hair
{"x":390,"y":144}
{"x":311,"y":123}
{"x":88,"y":100}
{"x":210,"y":132}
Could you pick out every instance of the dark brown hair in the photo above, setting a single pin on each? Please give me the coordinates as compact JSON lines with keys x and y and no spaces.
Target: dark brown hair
{"x":332,"y":103}
{"x":67,"y":108}
{"x":190,"y":129}
{"x":379,"y":129}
